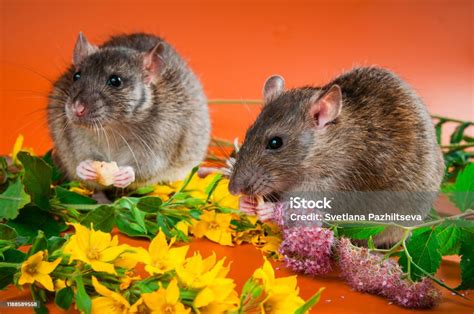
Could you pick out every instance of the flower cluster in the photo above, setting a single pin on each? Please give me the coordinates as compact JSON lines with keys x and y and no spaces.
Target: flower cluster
{"x":102,"y":276}
{"x":311,"y":257}
{"x":371,"y":273}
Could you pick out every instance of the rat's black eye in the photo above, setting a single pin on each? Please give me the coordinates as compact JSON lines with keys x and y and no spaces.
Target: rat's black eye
{"x":275,"y":143}
{"x":76,"y":76}
{"x":114,"y":80}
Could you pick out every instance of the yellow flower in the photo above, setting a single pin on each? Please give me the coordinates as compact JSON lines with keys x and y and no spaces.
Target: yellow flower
{"x":217,"y":297}
{"x":197,"y":273}
{"x":163,"y":191}
{"x":160,"y":257}
{"x":18,"y":147}
{"x":165,"y":300}
{"x":183,"y":226}
{"x":110,"y":302}
{"x":222,"y":196}
{"x":282,"y":292}
{"x":81,"y":190}
{"x":126,"y":281}
{"x":35,"y":269}
{"x":215,"y":227}
{"x":95,"y":248}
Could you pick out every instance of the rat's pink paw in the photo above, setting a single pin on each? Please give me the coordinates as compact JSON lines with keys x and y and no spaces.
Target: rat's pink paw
{"x":249,"y":206}
{"x":124,"y":177}
{"x":85,"y":171}
{"x":265,"y":211}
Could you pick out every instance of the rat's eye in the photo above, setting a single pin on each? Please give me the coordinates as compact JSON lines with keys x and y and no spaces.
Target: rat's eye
{"x":76,"y":76}
{"x":275,"y":143}
{"x":114,"y":80}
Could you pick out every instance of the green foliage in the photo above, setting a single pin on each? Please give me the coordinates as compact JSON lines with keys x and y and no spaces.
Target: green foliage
{"x":13,"y":199}
{"x":102,"y":218}
{"x":467,"y":261}
{"x":37,"y":179}
{"x":83,"y":301}
{"x":423,"y":250}
{"x":359,"y":231}
{"x":461,"y":193}
{"x":64,"y":298}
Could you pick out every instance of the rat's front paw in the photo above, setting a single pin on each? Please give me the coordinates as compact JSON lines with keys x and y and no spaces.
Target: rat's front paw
{"x":265,"y":211}
{"x":249,"y":205}
{"x":124,"y":177}
{"x":86,"y":171}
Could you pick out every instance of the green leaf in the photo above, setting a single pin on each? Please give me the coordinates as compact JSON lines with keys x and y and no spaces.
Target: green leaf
{"x":39,"y":244}
{"x":462,"y":193}
{"x":7,"y":273}
{"x":13,"y":199}
{"x":467,"y":261}
{"x":32,"y":219}
{"x":37,"y":179}
{"x":449,"y":237}
{"x":358,"y":231}
{"x":144,"y":190}
{"x":423,"y":249}
{"x":7,"y":233}
{"x":310,"y":303}
{"x":64,"y":298}
{"x":83,"y":301}
{"x":67,"y":197}
{"x":103,"y":218}
{"x":212,"y":186}
{"x":458,"y":133}
{"x":55,"y":243}
{"x":39,"y":295}
{"x":150,"y":204}
{"x":126,"y":226}
{"x":56,"y":173}
{"x":139,"y":217}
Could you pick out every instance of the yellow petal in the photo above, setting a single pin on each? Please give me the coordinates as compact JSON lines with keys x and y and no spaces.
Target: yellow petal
{"x":200,"y":228}
{"x":45,"y":280}
{"x":219,"y":236}
{"x":25,"y":278}
{"x":47,"y":267}
{"x":104,"y":305}
{"x":111,"y":253}
{"x":158,"y":246}
{"x":17,"y":146}
{"x":183,"y":226}
{"x":100,"y":240}
{"x":102,"y":266}
{"x":204,"y":297}
{"x":172,"y":292}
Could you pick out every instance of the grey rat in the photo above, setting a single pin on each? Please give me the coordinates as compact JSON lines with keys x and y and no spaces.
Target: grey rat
{"x":366,"y":130}
{"x":132,"y":100}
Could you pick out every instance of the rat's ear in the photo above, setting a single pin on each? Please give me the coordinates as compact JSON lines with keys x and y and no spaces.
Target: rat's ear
{"x":273,"y":87}
{"x":153,"y":62}
{"x":82,"y":49}
{"x":324,"y":109}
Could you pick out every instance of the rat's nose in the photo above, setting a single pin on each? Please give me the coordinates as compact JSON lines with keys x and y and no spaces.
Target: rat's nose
{"x":236,"y":187}
{"x":79,"y":109}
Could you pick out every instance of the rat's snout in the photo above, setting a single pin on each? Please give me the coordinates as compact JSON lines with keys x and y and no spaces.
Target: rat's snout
{"x":79,"y":109}
{"x":238,"y":185}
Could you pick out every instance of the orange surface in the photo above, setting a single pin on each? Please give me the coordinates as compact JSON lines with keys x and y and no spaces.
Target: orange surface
{"x":234,"y":46}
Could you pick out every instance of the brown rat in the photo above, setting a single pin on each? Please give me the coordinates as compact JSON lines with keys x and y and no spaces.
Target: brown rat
{"x":365,"y":131}
{"x":132,"y":100}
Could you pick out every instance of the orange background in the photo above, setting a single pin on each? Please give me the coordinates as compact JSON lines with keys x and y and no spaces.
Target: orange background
{"x":235,"y":45}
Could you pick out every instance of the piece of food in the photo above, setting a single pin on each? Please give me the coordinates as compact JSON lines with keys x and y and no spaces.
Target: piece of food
{"x":105,"y":171}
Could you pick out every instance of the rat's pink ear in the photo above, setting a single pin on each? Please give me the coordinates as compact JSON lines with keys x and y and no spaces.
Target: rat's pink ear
{"x":153,"y":63}
{"x":82,"y":49}
{"x":324,"y":109}
{"x":273,"y":87}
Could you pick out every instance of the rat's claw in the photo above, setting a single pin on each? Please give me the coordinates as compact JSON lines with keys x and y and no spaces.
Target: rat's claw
{"x":248,"y":205}
{"x":265,"y":211}
{"x":124,"y":177}
{"x":85,"y":171}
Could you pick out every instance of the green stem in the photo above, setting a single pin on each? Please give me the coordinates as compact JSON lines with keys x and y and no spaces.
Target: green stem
{"x":449,"y":119}
{"x":6,"y":264}
{"x":457,"y":146}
